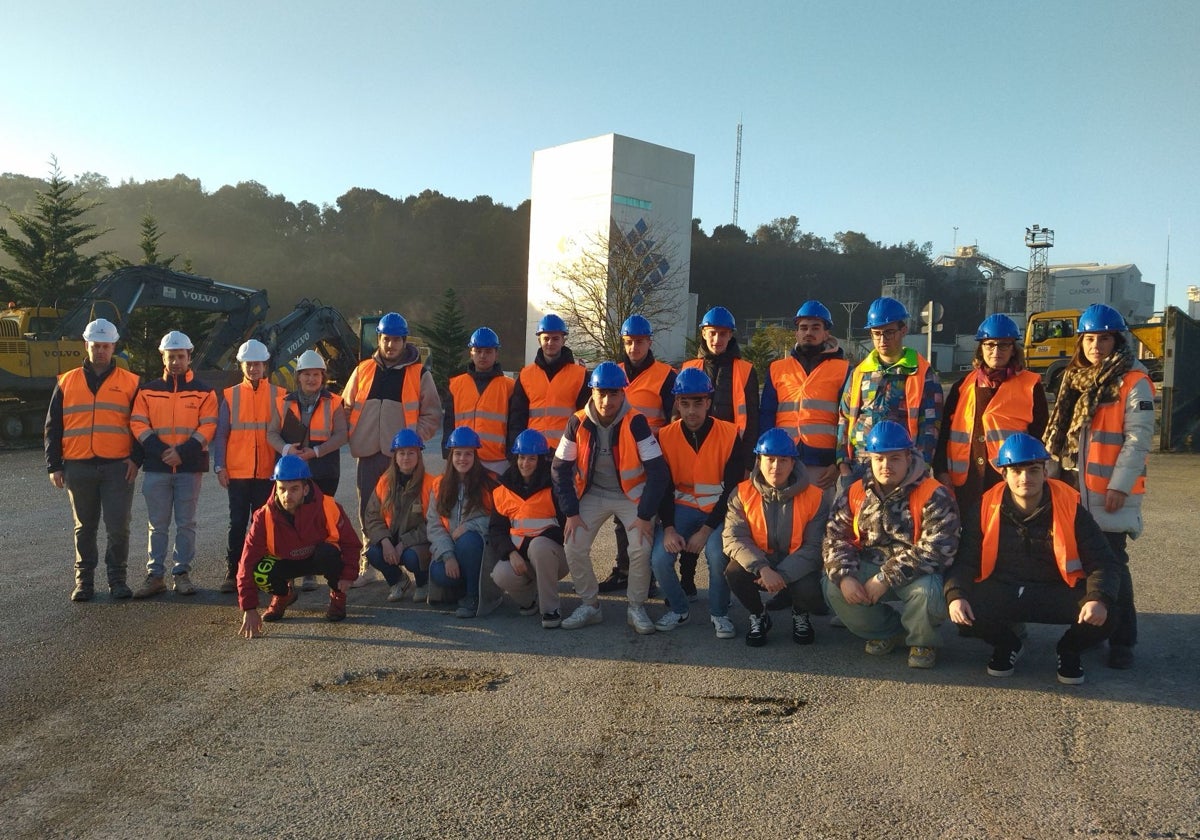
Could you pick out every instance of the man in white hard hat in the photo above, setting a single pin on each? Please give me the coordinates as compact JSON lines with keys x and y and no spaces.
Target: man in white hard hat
{"x":91,"y":452}
{"x":174,"y":419}
{"x":242,"y":456}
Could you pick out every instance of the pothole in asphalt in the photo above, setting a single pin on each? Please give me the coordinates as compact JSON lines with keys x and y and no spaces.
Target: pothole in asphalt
{"x":428,"y":681}
{"x":756,"y":706}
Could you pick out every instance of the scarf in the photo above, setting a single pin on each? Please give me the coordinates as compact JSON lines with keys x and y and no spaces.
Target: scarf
{"x":986,"y":377}
{"x":1083,"y":389}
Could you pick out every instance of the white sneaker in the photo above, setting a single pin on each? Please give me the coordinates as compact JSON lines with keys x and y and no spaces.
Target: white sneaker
{"x":723,"y":626}
{"x":368,"y":575}
{"x":584,"y":615}
{"x":400,"y":590}
{"x":420,"y":594}
{"x":638,"y":620}
{"x":670,"y":621}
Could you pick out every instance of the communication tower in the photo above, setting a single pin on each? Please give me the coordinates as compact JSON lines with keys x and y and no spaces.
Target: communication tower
{"x":1039,"y":241}
{"x":737,"y":173}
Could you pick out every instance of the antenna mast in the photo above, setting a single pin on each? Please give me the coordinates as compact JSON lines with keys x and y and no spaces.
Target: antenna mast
{"x":737,"y":173}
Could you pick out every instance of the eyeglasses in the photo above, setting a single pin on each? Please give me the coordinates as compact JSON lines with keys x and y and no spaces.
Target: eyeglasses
{"x":996,"y":345}
{"x":886,"y":335}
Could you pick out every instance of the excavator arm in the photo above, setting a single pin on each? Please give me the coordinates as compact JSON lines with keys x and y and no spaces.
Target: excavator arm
{"x":310,"y":325}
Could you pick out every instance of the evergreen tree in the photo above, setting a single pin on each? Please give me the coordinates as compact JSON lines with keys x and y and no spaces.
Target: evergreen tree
{"x":146,"y":327}
{"x":447,"y":337}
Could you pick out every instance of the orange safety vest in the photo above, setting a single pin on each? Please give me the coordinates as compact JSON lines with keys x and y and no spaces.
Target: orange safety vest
{"x":528,"y":517}
{"x":247,"y":453}
{"x":332,"y":514}
{"x":358,"y":390}
{"x":698,"y":476}
{"x":1064,"y":501}
{"x":97,"y":425}
{"x":1009,"y":411}
{"x":552,"y":401}
{"x":176,"y":416}
{"x":1107,"y":436}
{"x":914,"y":389}
{"x":804,"y":508}
{"x":644,"y":394}
{"x":630,"y":471}
{"x":384,"y":486}
{"x":917,"y":498}
{"x":808,"y":402}
{"x":741,"y":375}
{"x":486,"y":413}
{"x":320,"y":425}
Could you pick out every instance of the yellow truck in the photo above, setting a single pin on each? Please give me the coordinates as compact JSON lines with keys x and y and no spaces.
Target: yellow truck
{"x":1050,"y":343}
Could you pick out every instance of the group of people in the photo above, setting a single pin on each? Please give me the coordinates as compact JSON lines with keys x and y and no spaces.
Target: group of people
{"x":851,"y":488}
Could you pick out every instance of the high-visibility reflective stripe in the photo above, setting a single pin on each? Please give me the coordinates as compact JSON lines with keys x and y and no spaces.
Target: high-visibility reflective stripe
{"x":956,"y":466}
{"x":959,"y":437}
{"x":790,"y":405}
{"x":1111,"y":438}
{"x":114,"y":430}
{"x":97,"y":406}
{"x":1101,"y":470}
{"x":808,"y":404}
{"x":531,"y":524}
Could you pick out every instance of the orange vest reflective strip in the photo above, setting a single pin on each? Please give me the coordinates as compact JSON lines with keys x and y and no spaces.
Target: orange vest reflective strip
{"x":332,"y":515}
{"x":645,"y":394}
{"x":808,"y":402}
{"x":320,"y":426}
{"x":741,"y":375}
{"x":1107,"y":436}
{"x":364,"y":376}
{"x":914,"y":389}
{"x":486,"y":413}
{"x":247,"y":453}
{"x":384,"y":486}
{"x":552,"y":401}
{"x":97,"y":425}
{"x":1064,"y":501}
{"x":528,"y":517}
{"x":698,"y":476}
{"x":917,"y":498}
{"x":804,"y":508}
{"x":630,"y":471}
{"x":1009,"y":411}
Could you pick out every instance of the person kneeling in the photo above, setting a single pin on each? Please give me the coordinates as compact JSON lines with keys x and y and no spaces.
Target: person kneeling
{"x":299,"y":531}
{"x":1031,"y":553}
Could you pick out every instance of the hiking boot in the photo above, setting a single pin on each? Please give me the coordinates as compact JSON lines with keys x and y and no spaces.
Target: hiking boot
{"x":468,"y":607}
{"x":337,"y":605}
{"x":802,"y":629}
{"x":636,"y":617}
{"x":82,"y":591}
{"x":184,"y":585}
{"x":1070,"y":669}
{"x":1120,"y":657}
{"x":670,"y":621}
{"x":397,"y":592}
{"x":150,"y":586}
{"x":882,"y":647}
{"x":120,"y":590}
{"x":782,"y":600}
{"x":279,"y":605}
{"x":1004,"y":660}
{"x":228,"y":585}
{"x":920,"y":656}
{"x":615,"y":582}
{"x":309,"y":584}
{"x":723,"y":626}
{"x":552,"y":620}
{"x":760,"y":625}
{"x":531,"y":609}
{"x":583,"y":615}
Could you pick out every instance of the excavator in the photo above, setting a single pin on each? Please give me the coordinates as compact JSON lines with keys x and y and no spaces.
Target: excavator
{"x":310,"y":325}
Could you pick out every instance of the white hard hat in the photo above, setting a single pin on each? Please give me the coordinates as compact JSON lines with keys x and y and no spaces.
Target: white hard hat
{"x":310,"y":360}
{"x":253,"y":351}
{"x":175,"y":340}
{"x":101,"y":330}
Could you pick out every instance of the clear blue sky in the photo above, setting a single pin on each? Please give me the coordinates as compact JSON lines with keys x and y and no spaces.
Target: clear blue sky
{"x":901,"y":120}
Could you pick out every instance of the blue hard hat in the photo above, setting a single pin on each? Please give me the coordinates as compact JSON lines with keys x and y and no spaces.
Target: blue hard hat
{"x":551,"y":323}
{"x":1020,"y":448}
{"x":393,"y":324}
{"x":291,"y":468}
{"x":888,"y":436}
{"x":464,"y":437}
{"x":719,"y":316}
{"x":531,"y":442}
{"x":776,"y":443}
{"x":407,"y":439}
{"x":484,"y":337}
{"x":636,"y":325}
{"x":692,"y":381}
{"x":814,"y":309}
{"x":609,"y":376}
{"x":1100,"y":318}
{"x":885,"y":310}
{"x":998,"y":326}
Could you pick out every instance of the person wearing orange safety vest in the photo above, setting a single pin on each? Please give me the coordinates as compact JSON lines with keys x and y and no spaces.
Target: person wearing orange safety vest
{"x":550,"y":389}
{"x":92,"y":453}
{"x":608,"y":464}
{"x":735,"y":382}
{"x":397,"y":540}
{"x":1098,"y":437}
{"x":312,"y":423}
{"x":243,"y":459}
{"x":174,"y":419}
{"x":479,"y":400}
{"x":891,"y":536}
{"x":299,"y":531}
{"x":1031,"y":553}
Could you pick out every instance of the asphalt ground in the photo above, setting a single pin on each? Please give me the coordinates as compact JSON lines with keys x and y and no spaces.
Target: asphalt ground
{"x":153,"y":719}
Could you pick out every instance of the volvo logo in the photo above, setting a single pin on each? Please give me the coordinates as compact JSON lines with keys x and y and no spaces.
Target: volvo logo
{"x":201,"y":298}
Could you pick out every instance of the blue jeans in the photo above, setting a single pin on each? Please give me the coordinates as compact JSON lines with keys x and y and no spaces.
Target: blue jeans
{"x":689,"y":520}
{"x":923,"y":610}
{"x":170,"y":494}
{"x":408,"y":559}
{"x":468,"y":549}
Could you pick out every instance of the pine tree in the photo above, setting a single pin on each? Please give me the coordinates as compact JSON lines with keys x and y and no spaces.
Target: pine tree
{"x":447,"y":337}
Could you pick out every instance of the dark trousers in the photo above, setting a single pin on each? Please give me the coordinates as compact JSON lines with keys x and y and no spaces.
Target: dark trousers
{"x":998,"y":605}
{"x":806,"y":592}
{"x":326,"y":560}
{"x":246,"y":495}
{"x":1125,"y":613}
{"x":95,"y":490}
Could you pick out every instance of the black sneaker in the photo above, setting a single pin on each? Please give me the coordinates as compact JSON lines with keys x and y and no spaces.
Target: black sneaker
{"x":1004,"y":660}
{"x":802,"y":629}
{"x":1070,"y":669}
{"x":1120,"y":656}
{"x":756,"y":636}
{"x":551,"y":620}
{"x":615,"y":582}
